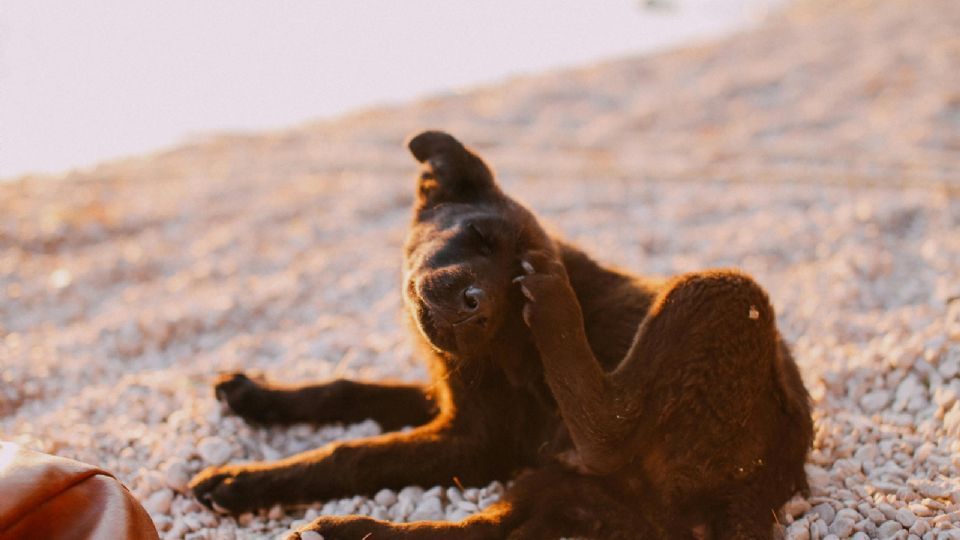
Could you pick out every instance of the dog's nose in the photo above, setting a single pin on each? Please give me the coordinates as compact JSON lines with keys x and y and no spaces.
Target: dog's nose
{"x":472,"y":298}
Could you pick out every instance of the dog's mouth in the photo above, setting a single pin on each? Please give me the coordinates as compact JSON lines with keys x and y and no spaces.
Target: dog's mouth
{"x":450,"y":333}
{"x":476,"y":319}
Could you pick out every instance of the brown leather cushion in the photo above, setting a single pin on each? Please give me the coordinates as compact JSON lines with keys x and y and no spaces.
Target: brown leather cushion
{"x":50,"y":497}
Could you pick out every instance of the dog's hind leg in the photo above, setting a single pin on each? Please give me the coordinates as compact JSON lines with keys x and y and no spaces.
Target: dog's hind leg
{"x":393,"y":406}
{"x":542,"y":504}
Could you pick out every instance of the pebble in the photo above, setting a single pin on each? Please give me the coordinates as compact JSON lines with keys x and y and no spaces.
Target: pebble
{"x":826,"y":512}
{"x":385,"y":497}
{"x":796,"y":507}
{"x":176,"y":475}
{"x":214,"y":450}
{"x":158,"y":502}
{"x":798,"y":530}
{"x":311,"y":535}
{"x":906,"y":517}
{"x":860,"y":278}
{"x":818,"y":529}
{"x":951,"y":420}
{"x":874,"y":401}
{"x":842,"y":527}
{"x":889,"y":529}
{"x":950,"y":367}
{"x":430,"y":508}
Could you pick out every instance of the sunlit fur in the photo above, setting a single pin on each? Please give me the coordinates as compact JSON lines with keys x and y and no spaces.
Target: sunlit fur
{"x":622,"y":406}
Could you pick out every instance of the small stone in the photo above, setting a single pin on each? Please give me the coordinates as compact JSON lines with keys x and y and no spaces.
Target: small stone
{"x":826,"y":512}
{"x":818,"y":530}
{"x":275,"y":513}
{"x":159,"y":502}
{"x":410,"y":493}
{"x":798,"y":530}
{"x":845,"y":468}
{"x":817,"y":476}
{"x":429,"y":509}
{"x":458,"y":515}
{"x":888,"y":511}
{"x":467,"y":506}
{"x":310,"y":535}
{"x":906,"y":517}
{"x":849,"y":513}
{"x":214,"y":450}
{"x":872,"y":402}
{"x":435,"y":491}
{"x":176,"y":475}
{"x":454,"y":495}
{"x":889,"y":529}
{"x":192,"y":521}
{"x":796,"y":507}
{"x":487,"y":501}
{"x":951,"y":420}
{"x":842,"y":527}
{"x":876,"y":515}
{"x":385,"y":497}
{"x":949,"y":368}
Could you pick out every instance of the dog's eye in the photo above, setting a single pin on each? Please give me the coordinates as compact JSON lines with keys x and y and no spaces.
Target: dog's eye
{"x":483,"y":241}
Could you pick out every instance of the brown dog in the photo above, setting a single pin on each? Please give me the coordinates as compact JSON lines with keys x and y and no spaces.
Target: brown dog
{"x":634,"y":408}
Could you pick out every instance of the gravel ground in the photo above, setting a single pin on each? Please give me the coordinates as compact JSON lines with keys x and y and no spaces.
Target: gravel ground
{"x":820,"y":152}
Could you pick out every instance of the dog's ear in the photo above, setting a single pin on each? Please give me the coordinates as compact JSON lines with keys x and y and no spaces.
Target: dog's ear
{"x":451,"y":172}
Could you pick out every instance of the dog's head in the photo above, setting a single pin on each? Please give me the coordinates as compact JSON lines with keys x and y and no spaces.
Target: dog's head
{"x":464,"y":248}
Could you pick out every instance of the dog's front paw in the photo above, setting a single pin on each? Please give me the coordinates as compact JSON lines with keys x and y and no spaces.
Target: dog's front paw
{"x":246,"y":397}
{"x":341,"y":528}
{"x":226,"y":489}
{"x":551,"y":307}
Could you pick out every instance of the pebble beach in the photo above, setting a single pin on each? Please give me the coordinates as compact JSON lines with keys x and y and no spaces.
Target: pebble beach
{"x":819,"y":151}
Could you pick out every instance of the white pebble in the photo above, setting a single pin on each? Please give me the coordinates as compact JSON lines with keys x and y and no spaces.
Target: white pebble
{"x":842,"y":527}
{"x":798,"y":530}
{"x":889,"y":529}
{"x":159,"y":502}
{"x":430,"y":508}
{"x":176,"y":475}
{"x":906,"y":517}
{"x":214,"y":450}
{"x":872,"y":402}
{"x":796,"y":507}
{"x":385,"y":497}
{"x":827,"y":513}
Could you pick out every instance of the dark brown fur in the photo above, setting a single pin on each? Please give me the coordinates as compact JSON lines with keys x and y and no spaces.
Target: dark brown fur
{"x":624,"y":407}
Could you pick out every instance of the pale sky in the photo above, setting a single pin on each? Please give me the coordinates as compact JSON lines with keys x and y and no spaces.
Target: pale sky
{"x":81,"y":82}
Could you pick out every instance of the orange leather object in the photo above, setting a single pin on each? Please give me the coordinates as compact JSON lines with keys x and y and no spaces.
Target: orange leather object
{"x":53,"y":498}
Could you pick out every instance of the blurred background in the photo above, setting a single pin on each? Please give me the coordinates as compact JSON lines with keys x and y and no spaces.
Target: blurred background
{"x":84,"y":82}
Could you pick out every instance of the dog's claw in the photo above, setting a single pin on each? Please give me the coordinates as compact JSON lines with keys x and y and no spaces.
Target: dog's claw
{"x":527,"y":267}
{"x":526,"y":292}
{"x":526,"y":315}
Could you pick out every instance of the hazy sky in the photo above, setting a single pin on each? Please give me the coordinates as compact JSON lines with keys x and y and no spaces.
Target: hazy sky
{"x":85,"y":81}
